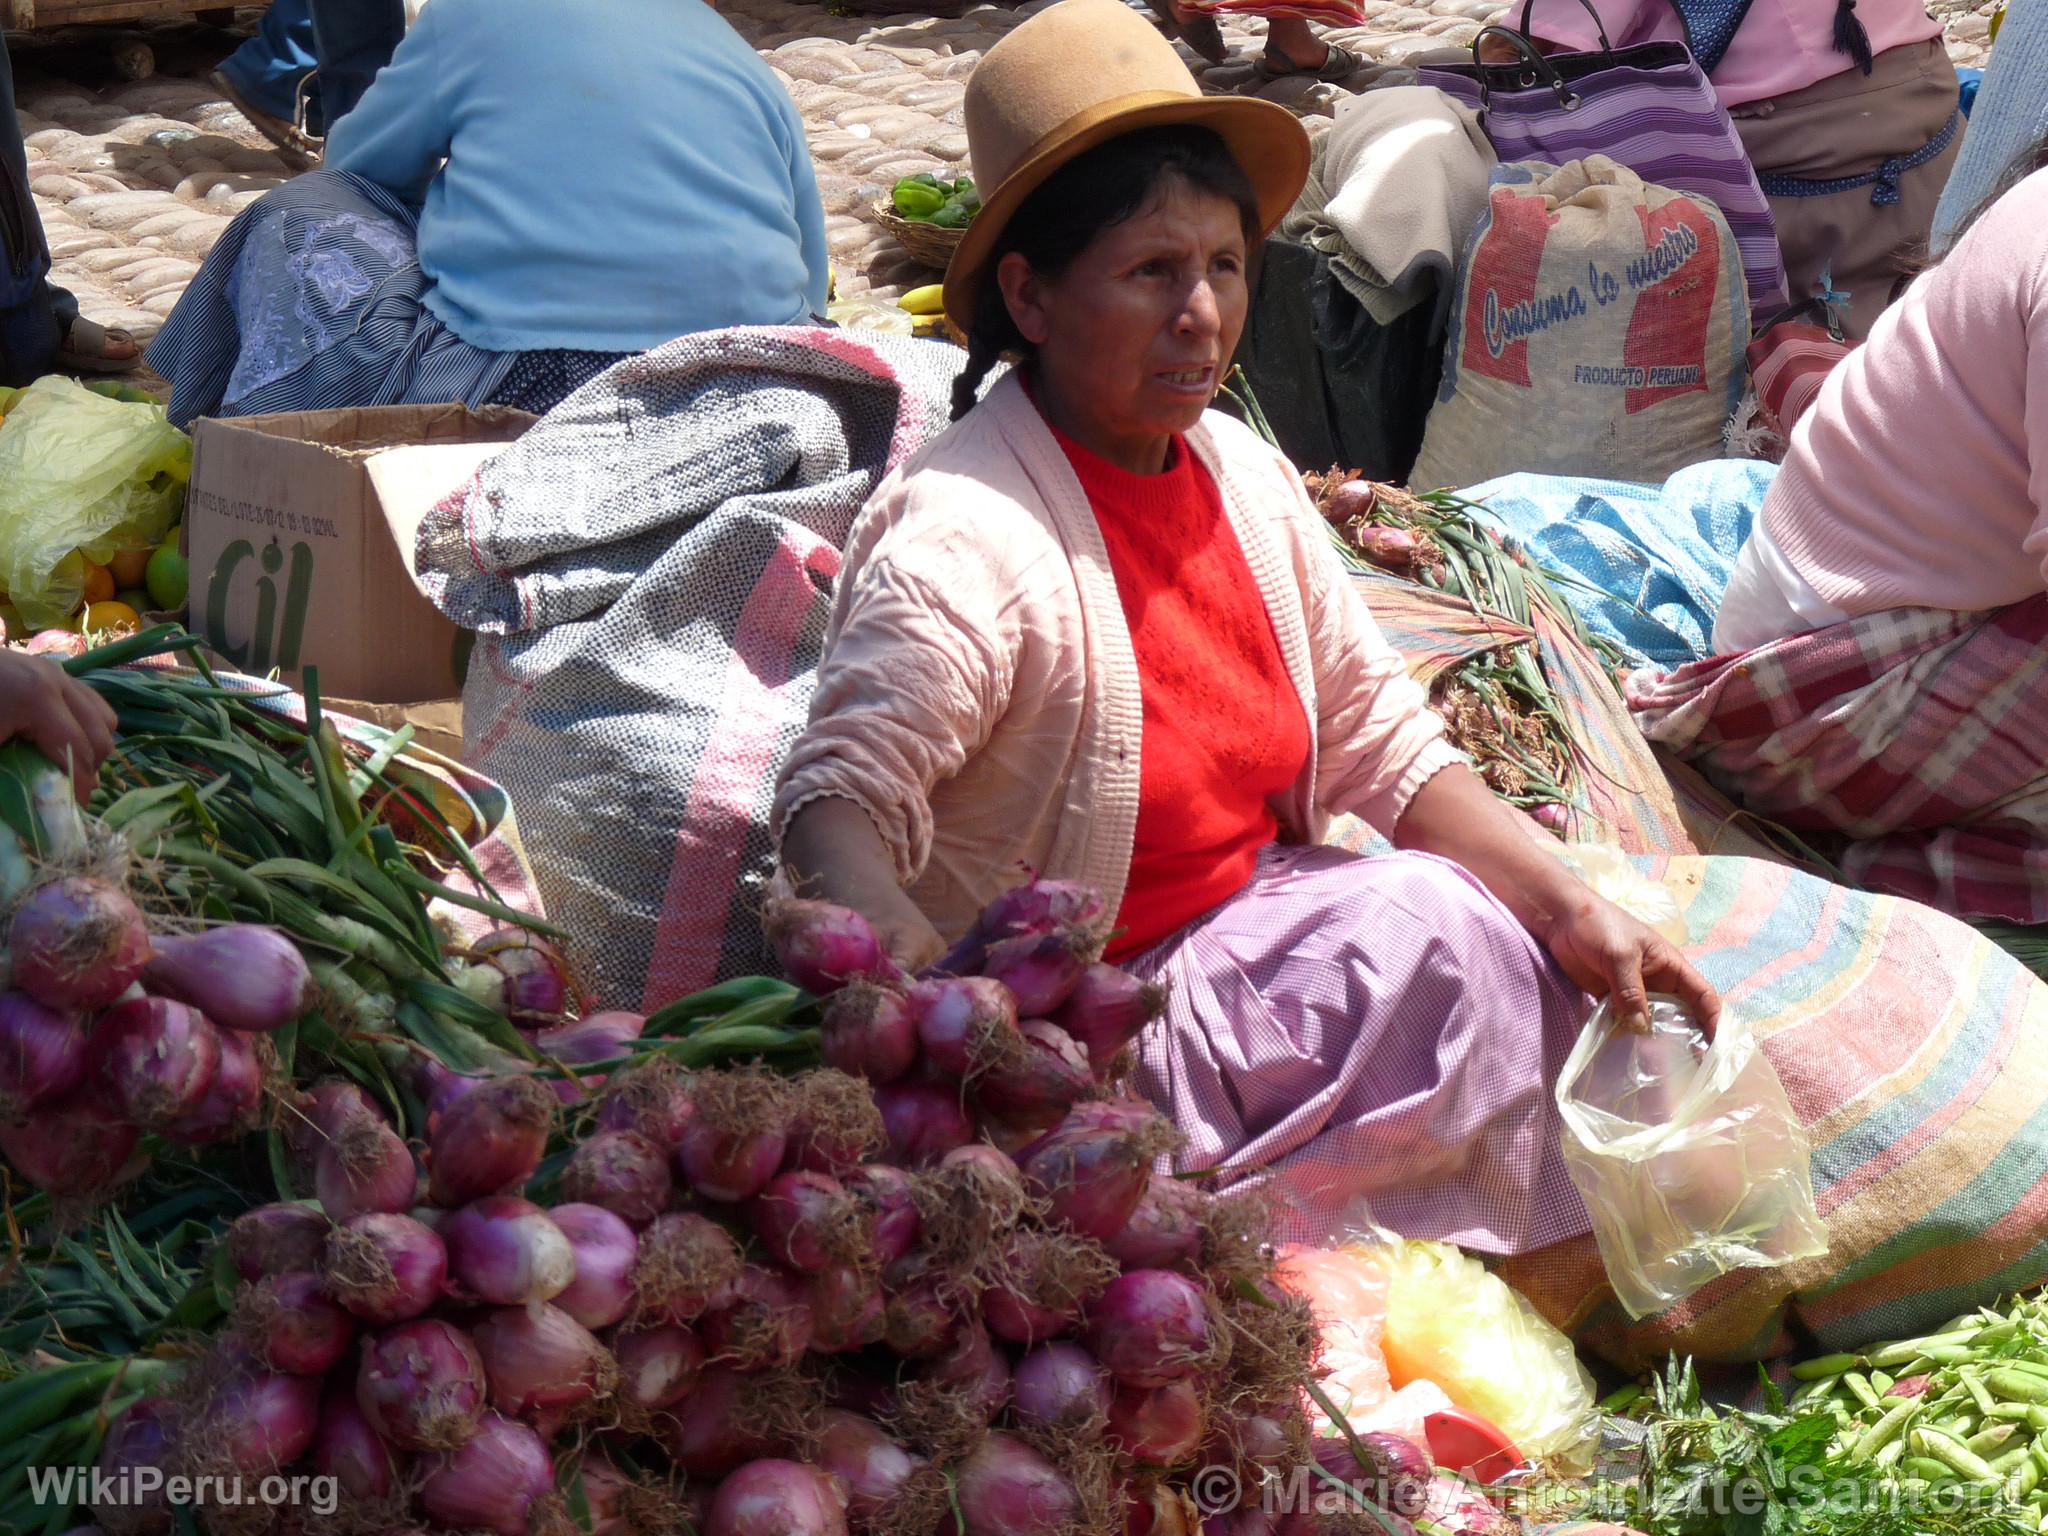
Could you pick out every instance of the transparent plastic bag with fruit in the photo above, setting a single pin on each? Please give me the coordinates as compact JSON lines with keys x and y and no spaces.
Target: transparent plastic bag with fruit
{"x":91,"y":486}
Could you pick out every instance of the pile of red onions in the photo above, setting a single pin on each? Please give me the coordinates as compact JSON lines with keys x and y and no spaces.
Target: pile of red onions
{"x":111,"y":1032}
{"x":938,"y":1274}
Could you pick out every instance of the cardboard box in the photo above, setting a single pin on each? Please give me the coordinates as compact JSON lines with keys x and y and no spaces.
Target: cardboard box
{"x":437,"y":725}
{"x":299,"y":529}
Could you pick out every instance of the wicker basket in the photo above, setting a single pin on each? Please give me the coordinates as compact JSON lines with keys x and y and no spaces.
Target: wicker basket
{"x":927,"y":242}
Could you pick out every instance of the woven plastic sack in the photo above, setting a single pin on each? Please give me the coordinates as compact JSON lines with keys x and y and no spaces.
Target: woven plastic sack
{"x":1689,"y":1156}
{"x":81,"y":477}
{"x":1598,"y":329}
{"x":1451,"y":1322}
{"x":649,"y":570}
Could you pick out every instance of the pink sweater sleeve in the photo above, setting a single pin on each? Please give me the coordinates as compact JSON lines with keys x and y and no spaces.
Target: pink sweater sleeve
{"x":2036,"y":412}
{"x":1377,"y":739}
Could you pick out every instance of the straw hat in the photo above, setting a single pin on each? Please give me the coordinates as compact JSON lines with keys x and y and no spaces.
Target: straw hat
{"x":1079,"y":73}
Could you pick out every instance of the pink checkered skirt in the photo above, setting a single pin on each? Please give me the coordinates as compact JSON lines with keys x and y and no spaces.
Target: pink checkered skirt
{"x":1377,"y":1039}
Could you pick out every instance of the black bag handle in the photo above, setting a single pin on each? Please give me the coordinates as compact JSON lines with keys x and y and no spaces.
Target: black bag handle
{"x":1529,"y":9}
{"x":1537,"y":70}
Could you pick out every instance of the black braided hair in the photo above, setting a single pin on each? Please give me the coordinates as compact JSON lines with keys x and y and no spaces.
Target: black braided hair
{"x":1096,"y":191}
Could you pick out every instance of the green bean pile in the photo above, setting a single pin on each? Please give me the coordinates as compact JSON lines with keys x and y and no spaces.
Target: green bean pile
{"x":1967,"y":1405}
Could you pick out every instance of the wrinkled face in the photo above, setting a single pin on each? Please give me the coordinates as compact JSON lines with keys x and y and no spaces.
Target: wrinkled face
{"x":1135,"y":336}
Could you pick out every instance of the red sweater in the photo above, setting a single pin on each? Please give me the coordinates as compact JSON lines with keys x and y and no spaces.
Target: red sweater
{"x":1224,"y":730}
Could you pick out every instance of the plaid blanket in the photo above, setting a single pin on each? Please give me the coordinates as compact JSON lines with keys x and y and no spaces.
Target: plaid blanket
{"x":1909,"y":740}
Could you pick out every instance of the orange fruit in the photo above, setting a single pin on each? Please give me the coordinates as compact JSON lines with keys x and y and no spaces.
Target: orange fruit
{"x":131,"y":566}
{"x":109,"y":617}
{"x":99,"y":583}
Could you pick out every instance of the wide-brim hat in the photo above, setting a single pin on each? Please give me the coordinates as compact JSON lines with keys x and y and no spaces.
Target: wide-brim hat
{"x":1080,"y":73}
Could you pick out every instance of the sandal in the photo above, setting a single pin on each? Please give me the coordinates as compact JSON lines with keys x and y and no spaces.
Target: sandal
{"x":295,"y":147}
{"x":1339,"y":63}
{"x":84,"y":349}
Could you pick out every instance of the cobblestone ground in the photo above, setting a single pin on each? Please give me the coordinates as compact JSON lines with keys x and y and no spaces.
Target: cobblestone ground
{"x":135,"y":180}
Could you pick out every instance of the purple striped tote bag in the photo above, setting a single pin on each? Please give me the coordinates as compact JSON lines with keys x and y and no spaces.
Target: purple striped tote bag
{"x":1648,"y":107}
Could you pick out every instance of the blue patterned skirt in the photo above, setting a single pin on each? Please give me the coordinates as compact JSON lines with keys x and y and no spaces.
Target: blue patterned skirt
{"x":314,"y":298}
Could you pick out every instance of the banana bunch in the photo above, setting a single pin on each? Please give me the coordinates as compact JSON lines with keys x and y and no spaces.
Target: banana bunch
{"x":928,"y":306}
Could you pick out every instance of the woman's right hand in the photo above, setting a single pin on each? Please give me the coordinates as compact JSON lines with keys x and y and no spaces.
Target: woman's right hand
{"x":835,"y":854}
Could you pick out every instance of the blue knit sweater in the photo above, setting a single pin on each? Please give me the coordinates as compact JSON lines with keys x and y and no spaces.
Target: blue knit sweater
{"x":618,"y":172}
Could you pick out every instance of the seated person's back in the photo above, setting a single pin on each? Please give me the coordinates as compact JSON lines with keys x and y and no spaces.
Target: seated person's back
{"x":618,"y":173}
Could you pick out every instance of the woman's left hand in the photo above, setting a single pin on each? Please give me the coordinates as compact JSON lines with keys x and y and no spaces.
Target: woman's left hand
{"x":1613,"y":955}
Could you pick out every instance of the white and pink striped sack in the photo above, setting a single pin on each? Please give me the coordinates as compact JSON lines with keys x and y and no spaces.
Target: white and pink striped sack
{"x":650,"y":568}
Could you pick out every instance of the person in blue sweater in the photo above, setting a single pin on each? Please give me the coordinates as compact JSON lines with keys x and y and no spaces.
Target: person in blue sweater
{"x":524,"y":195}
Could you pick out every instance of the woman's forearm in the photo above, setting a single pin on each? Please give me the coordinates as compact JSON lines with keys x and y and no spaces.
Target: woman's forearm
{"x":834,"y":852}
{"x":1456,"y":817}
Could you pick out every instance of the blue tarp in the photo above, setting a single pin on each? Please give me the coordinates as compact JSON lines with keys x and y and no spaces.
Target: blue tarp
{"x":1656,"y":557}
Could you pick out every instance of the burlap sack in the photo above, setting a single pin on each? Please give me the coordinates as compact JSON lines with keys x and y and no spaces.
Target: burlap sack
{"x":1599,"y":330}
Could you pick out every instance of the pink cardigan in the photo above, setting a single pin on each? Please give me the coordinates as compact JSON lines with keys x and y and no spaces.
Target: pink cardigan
{"x":978,"y":695}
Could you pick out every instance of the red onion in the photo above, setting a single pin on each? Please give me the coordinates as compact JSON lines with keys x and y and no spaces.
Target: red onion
{"x":1157,"y":1426}
{"x":365,"y":1168}
{"x":651,"y":1099}
{"x":1046,"y":1280}
{"x":42,"y":1055}
{"x":868,"y":1031}
{"x":1398,"y":1473}
{"x":598,"y":1037}
{"x":723,"y":1165}
{"x":240,"y":976}
{"x":871,"y":1467}
{"x":807,"y":1222}
{"x":156,"y":1059}
{"x":1154,"y":1509}
{"x":234,"y":1102}
{"x":1107,"y":1010}
{"x":294,"y":1326}
{"x":501,"y":1479}
{"x":1061,"y":1384}
{"x":506,"y":1251}
{"x":1042,"y":970}
{"x":440,"y":1090}
{"x":1007,"y":1489}
{"x":606,"y":1252}
{"x":777,"y":1498}
{"x":606,"y":1493}
{"x":77,"y":944}
{"x":962,"y":1021}
{"x":766,"y":1324}
{"x":971,"y":1363}
{"x":688,"y":1264}
{"x":260,"y":1422}
{"x":138,"y":1442}
{"x":540,"y":1358}
{"x":277,"y":1239}
{"x":657,"y":1366}
{"x":490,"y":1142}
{"x":925,"y":1121}
{"x":1037,"y":906}
{"x":822,"y":947}
{"x":349,"y":1450}
{"x":848,"y":1310}
{"x":622,"y":1171}
{"x":421,"y":1385}
{"x":892,"y":1210}
{"x":1094,"y":1166}
{"x":386,"y":1268}
{"x":704,"y":1434}
{"x":1245,"y":1520}
{"x":1151,"y":1326}
{"x":1050,"y":1079}
{"x":921,"y":1319}
{"x":74,"y":1148}
{"x":520,"y":975}
{"x":317,"y":1117}
{"x":1165,"y":1231}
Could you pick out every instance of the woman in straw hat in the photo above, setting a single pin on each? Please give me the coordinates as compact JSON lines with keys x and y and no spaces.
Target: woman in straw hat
{"x":1099,"y":631}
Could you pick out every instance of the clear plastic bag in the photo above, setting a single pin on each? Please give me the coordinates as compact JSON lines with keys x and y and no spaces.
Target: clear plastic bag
{"x":81,"y":473}
{"x":1689,"y":1156}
